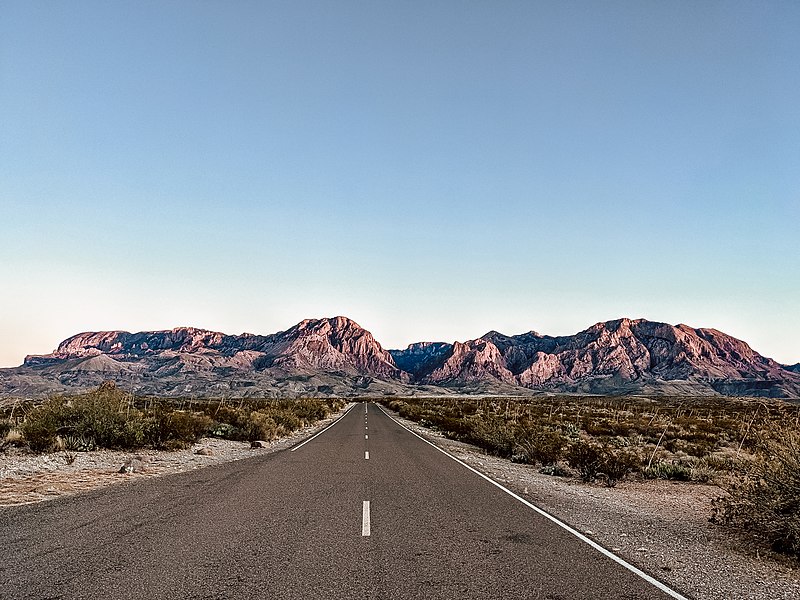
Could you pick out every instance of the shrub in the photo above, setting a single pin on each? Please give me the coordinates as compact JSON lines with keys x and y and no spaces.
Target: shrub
{"x":43,"y":424}
{"x":259,"y":426}
{"x":668,"y":470}
{"x":175,"y":429}
{"x":767,"y":502}
{"x":616,"y":464}
{"x":40,"y":429}
{"x":225,"y":431}
{"x":286,"y":418}
{"x":593,"y":460}
{"x":493,"y":434}
{"x":702,"y":472}
{"x":586,"y":457}
{"x":104,"y":417}
{"x":540,"y":445}
{"x":110,"y":418}
{"x":309,"y":410}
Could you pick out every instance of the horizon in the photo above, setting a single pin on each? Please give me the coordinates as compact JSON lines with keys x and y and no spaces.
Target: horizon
{"x":434,"y":170}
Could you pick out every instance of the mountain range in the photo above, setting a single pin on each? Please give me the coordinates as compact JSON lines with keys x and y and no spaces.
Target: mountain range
{"x":336,"y":356}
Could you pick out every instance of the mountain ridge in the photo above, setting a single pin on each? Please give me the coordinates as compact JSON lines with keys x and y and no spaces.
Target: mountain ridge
{"x":337,"y":356}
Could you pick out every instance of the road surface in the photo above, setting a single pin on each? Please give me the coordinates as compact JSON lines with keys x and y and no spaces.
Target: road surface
{"x":365,"y":509}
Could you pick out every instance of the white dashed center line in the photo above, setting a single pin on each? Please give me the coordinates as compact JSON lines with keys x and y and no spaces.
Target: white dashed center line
{"x":366,"y":436}
{"x":365,"y":519}
{"x":366,"y":455}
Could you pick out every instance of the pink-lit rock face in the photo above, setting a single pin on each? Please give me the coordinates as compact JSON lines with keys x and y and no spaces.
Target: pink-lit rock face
{"x":336,"y":344}
{"x":616,"y":355}
{"x":337,"y":356}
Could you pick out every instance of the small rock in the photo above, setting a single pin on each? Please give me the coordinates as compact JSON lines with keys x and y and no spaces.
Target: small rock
{"x":259,"y":444}
{"x":132,"y":465}
{"x":204,"y":452}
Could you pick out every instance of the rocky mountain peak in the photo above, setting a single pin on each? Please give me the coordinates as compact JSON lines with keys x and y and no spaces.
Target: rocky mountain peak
{"x":622,"y":355}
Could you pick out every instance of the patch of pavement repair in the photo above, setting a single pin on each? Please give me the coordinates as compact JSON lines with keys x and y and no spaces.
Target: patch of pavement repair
{"x":660,"y":526}
{"x":26,"y":477}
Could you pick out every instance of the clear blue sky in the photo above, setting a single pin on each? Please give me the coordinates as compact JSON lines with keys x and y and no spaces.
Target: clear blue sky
{"x":431,"y":169}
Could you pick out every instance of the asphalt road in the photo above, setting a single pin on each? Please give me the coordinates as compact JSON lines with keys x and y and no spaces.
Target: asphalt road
{"x":296,"y":524}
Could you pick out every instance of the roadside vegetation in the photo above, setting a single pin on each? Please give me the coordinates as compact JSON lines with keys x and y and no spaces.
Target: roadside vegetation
{"x":113,"y":419}
{"x":750,"y":448}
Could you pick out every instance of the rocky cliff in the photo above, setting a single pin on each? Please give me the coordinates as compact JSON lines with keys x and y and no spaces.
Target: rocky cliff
{"x":611,"y":357}
{"x":336,"y":344}
{"x":337,"y":356}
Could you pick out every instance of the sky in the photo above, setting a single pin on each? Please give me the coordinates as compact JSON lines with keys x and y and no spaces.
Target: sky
{"x":433,"y":170}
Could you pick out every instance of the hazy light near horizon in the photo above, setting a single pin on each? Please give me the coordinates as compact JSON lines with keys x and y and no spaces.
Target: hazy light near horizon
{"x":432,"y":171}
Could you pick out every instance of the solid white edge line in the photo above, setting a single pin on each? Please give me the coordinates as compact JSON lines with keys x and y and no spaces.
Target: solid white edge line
{"x":304,"y":442}
{"x":365,"y":524}
{"x":622,"y":562}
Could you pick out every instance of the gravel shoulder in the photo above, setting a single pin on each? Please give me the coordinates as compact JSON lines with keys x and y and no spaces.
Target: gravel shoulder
{"x":660,"y":526}
{"x":26,"y":477}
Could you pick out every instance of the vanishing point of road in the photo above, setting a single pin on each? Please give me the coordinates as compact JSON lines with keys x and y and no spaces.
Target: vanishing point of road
{"x":365,"y":509}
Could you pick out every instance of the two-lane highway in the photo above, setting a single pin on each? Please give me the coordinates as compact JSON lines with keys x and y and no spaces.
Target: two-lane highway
{"x":364,"y":509}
